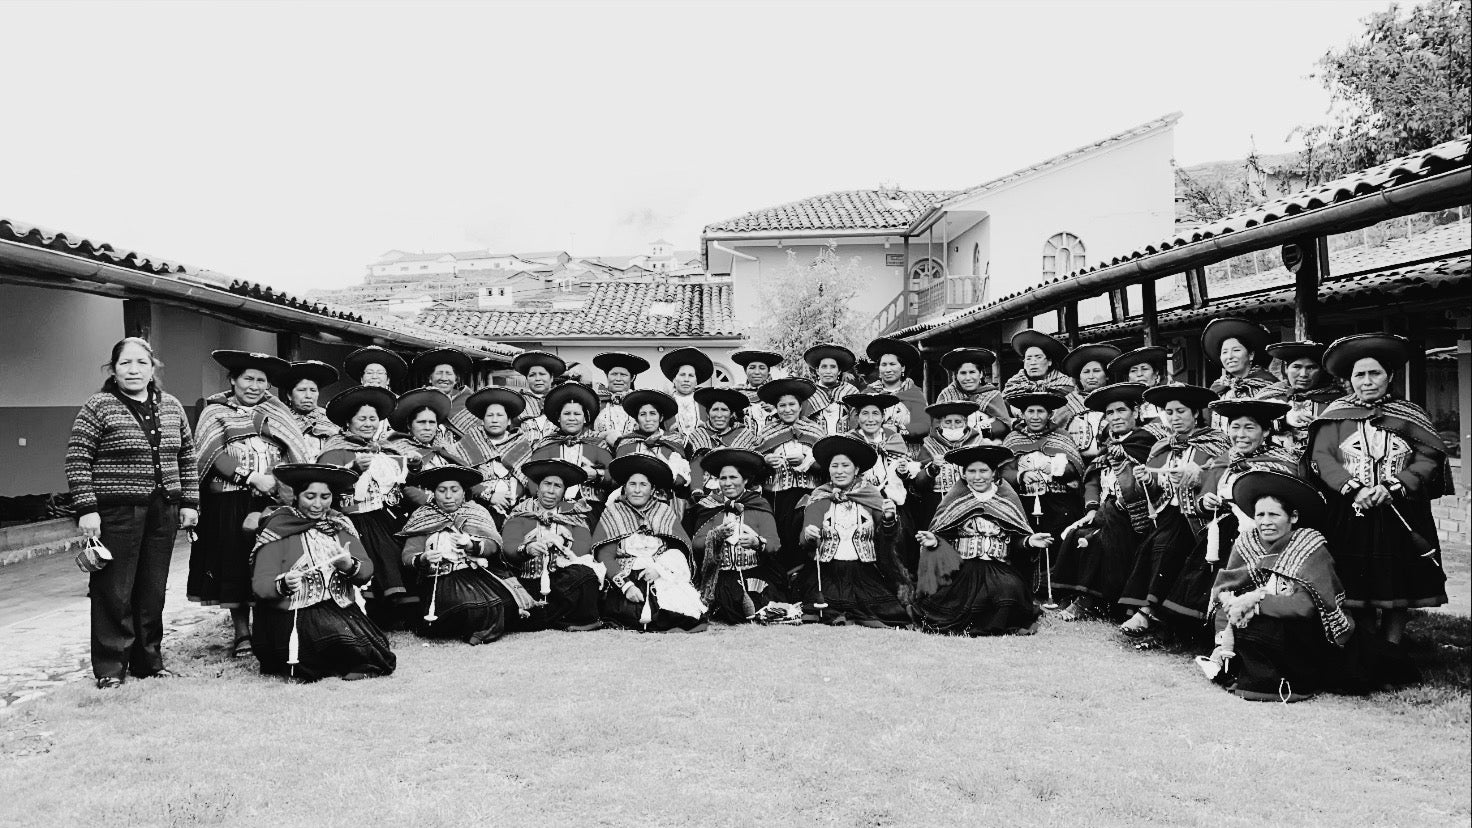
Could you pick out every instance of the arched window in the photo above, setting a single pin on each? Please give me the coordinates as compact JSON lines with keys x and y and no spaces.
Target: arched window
{"x":721,"y":378}
{"x":923,"y":272}
{"x":1062,"y":255}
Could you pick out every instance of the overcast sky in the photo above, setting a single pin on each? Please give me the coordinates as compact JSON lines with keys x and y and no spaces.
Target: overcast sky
{"x":294,"y":143}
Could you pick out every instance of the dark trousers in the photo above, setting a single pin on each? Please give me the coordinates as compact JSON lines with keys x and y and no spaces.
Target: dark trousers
{"x":128,"y":593}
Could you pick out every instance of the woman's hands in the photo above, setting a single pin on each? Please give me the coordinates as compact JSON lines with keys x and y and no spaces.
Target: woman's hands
{"x":291,"y":581}
{"x":1040,"y":540}
{"x":343,"y":562}
{"x":1370,"y":497}
{"x":1242,"y":608}
{"x":536,"y":548}
{"x":263,"y":482}
{"x":775,"y":462}
{"x":188,"y":518}
{"x":91,"y":525}
{"x":1211,"y":501}
{"x":810,"y":534}
{"x":927,"y":539}
{"x":431,"y":555}
{"x":633,"y":594}
{"x":889,"y":510}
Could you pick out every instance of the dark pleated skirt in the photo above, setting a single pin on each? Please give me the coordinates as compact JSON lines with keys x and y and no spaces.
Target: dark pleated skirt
{"x":984,"y":598}
{"x":572,"y":603}
{"x":739,"y":595}
{"x":852,"y":589}
{"x":789,"y":524}
{"x":1190,"y":596}
{"x":392,"y":581}
{"x":467,"y":606}
{"x":332,"y":641}
{"x":1161,"y":558}
{"x":1270,"y":651}
{"x":1096,"y":560}
{"x":1059,"y":509}
{"x":219,"y":562}
{"x":1376,"y":559}
{"x":618,"y":611}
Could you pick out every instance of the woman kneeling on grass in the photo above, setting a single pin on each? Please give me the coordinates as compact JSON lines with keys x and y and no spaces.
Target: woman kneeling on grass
{"x":965,"y":572}
{"x":855,"y":574}
{"x":547,"y":545}
{"x":1278,"y":604}
{"x":305,"y":567}
{"x":647,"y":554}
{"x":452,"y":542}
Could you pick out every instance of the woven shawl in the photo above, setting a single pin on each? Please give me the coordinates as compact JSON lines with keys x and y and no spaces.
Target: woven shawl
{"x":224,"y":420}
{"x":1303,"y":557}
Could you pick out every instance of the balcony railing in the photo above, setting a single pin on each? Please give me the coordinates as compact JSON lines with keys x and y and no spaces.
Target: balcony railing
{"x":951,"y":293}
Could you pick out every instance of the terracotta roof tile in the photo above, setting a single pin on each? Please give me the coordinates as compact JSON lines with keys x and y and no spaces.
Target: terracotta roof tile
{"x":846,"y":210}
{"x":609,"y":309}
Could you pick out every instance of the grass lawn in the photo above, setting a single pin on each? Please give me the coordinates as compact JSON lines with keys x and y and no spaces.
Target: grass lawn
{"x":797,"y":726}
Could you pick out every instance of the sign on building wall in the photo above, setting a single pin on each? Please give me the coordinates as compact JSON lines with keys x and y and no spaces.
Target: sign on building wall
{"x":894,"y":260}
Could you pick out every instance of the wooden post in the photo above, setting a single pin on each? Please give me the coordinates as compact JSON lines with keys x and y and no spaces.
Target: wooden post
{"x":1308,"y":260}
{"x":1196,"y":287}
{"x":138,"y":318}
{"x":289,"y":346}
{"x":1464,"y":393}
{"x":1119,"y":305}
{"x":1148,"y":317}
{"x":1070,"y":323}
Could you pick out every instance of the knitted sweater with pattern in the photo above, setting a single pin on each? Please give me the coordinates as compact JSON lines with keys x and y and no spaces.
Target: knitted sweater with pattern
{"x":110,"y":460}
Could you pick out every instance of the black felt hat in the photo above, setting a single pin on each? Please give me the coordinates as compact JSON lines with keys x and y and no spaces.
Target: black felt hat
{"x":1055,"y":351}
{"x":301,"y":475}
{"x":1253,"y":337}
{"x":659,"y":474}
{"x":311,"y":369}
{"x":527,"y":360}
{"x":359,"y":360}
{"x":861,"y":453}
{"x":1293,"y":351}
{"x":939,"y":410}
{"x":561,"y":395}
{"x":236,"y":361}
{"x":1263,"y":411}
{"x":341,"y":408}
{"x":771,"y":359}
{"x":429,"y":479}
{"x":750,"y":464}
{"x":1297,"y":494}
{"x":670,"y":363}
{"x":992,"y":455}
{"x":425,"y":363}
{"x":858,"y":401}
{"x":774,"y":390}
{"x":1193,"y":397}
{"x":478,"y":402}
{"x":983,"y":358}
{"x":1391,"y":351}
{"x":1048,"y":400}
{"x":570,"y":474}
{"x":734,"y":400}
{"x":1084,"y":354}
{"x":1129,"y":392}
{"x":815,"y":355}
{"x":662,"y":402}
{"x":906,"y":353}
{"x":411,"y":402}
{"x":608,"y":360}
{"x":1154,"y":355}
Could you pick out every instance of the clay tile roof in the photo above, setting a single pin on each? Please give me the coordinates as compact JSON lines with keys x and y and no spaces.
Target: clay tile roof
{"x":612,"y":309}
{"x":889,"y":210}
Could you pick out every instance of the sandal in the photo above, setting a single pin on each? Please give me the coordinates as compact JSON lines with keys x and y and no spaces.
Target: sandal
{"x":1138,"y":625}
{"x":242,"y":647}
{"x":109,"y":683}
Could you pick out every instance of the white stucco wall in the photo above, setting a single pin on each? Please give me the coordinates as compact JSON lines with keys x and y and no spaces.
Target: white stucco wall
{"x":746,"y":276}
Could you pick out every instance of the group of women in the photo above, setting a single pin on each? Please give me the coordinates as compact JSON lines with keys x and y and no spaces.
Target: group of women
{"x":1280,"y":519}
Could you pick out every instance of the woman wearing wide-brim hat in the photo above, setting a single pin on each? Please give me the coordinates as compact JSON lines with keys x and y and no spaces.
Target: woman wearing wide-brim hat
{"x":1147,"y":366}
{"x":1306,"y":387}
{"x":756,"y":366}
{"x":848,"y":539}
{"x":418,"y":419}
{"x":652,"y":412}
{"x":374,"y":505}
{"x":968,"y":582}
{"x":899,"y":367}
{"x":571,"y":407}
{"x":1087,"y":366}
{"x":931,"y":476}
{"x":1041,"y":355}
{"x":786,"y":445}
{"x":1171,"y":477}
{"x":1381,"y":464}
{"x":1048,"y":473}
{"x":686,"y":369}
{"x":242,"y":434}
{"x":722,"y":425}
{"x":735,"y":539}
{"x":548,"y":544}
{"x":646,"y":553}
{"x":541,"y":370}
{"x":1097,"y":552}
{"x":829,"y":363}
{"x":301,"y":387}
{"x":451,"y":542}
{"x":620,"y":370}
{"x":1281,"y":627}
{"x":970,"y":370}
{"x":495,"y":448}
{"x":307,"y":566}
{"x":375,"y":366}
{"x":1240,"y":348}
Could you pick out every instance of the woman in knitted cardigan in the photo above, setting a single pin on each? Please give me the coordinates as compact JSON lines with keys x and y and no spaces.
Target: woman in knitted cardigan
{"x":130,"y":465}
